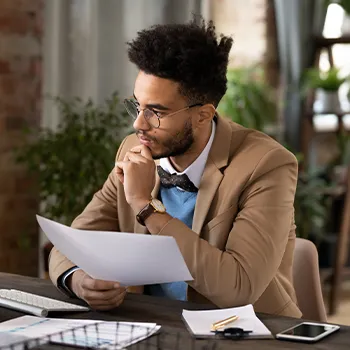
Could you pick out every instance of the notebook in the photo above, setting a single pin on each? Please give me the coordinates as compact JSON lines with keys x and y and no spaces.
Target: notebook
{"x":199,"y":322}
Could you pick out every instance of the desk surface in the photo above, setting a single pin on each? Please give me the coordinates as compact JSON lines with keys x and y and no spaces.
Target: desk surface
{"x":167,"y":313}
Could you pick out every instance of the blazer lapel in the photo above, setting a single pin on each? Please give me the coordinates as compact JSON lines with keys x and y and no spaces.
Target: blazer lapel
{"x":210,"y":182}
{"x":217,"y":159}
{"x":138,"y":228}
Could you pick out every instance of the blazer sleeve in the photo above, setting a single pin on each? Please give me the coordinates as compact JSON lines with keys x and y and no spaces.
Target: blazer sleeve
{"x":256,"y":244}
{"x":100,"y":214}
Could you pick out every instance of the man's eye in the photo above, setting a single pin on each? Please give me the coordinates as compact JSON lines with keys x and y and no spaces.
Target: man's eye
{"x":159,"y":114}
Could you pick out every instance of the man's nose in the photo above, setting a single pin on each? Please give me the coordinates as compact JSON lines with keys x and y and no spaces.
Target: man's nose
{"x":141,"y":123}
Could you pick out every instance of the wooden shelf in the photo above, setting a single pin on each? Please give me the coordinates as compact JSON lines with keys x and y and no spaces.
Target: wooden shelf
{"x":327,"y":42}
{"x":310,"y":115}
{"x":338,"y":114}
{"x":326,"y":275}
{"x":336,"y":273}
{"x":334,"y":191}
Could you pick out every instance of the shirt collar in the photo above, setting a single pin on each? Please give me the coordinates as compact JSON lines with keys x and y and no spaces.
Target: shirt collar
{"x":196,"y":169}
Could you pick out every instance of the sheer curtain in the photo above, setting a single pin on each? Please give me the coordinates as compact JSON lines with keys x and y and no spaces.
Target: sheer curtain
{"x":85,"y":52}
{"x":298,"y":21}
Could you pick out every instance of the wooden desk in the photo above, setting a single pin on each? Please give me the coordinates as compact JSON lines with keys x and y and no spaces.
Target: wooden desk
{"x":167,"y":313}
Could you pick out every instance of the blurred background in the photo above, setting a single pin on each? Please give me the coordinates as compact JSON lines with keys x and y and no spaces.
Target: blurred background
{"x":64,"y":70}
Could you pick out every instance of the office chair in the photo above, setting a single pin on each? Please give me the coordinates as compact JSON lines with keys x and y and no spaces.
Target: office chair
{"x":307,"y":283}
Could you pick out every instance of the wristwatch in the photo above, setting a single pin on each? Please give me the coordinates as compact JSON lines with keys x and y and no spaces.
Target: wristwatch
{"x":154,"y":206}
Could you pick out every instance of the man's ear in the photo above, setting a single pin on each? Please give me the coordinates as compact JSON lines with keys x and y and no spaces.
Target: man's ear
{"x":206,"y":114}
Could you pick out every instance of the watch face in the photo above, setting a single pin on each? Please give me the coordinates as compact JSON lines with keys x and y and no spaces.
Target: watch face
{"x":158,"y":205}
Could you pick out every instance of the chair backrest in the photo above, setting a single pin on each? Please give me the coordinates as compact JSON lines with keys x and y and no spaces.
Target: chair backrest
{"x":307,"y":283}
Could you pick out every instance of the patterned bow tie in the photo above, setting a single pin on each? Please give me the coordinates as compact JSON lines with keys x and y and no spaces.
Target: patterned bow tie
{"x":173,"y":180}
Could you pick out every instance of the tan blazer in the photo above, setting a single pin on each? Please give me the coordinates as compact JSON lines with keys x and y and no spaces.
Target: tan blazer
{"x":240,"y":248}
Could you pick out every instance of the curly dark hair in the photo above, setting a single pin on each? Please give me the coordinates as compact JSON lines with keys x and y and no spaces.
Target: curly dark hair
{"x":189,"y":54}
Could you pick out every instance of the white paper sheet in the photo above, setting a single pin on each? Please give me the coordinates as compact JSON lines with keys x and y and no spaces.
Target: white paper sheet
{"x":96,"y":333}
{"x":200,"y":322}
{"x":130,"y":259}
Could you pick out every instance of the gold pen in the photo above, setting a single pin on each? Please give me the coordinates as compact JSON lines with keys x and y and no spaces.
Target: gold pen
{"x":215,"y":326}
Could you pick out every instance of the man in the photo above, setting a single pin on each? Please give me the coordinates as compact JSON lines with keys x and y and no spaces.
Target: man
{"x":230,"y":209}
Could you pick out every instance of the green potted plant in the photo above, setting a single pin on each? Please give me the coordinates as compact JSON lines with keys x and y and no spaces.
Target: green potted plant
{"x":248,"y":100}
{"x":314,"y":213}
{"x":345,"y":4}
{"x":72,"y":162}
{"x":326,"y":84}
{"x":338,"y":168}
{"x":311,"y":205}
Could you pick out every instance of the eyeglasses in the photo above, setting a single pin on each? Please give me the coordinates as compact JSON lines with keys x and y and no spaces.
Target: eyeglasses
{"x":152,"y":117}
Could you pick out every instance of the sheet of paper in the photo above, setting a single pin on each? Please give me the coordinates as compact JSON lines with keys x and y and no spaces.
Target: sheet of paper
{"x":7,"y":341}
{"x":200,"y":322}
{"x":130,"y":259}
{"x":73,"y":332}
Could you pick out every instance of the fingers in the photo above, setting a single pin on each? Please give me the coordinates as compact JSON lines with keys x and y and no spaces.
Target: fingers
{"x":101,"y":295}
{"x":104,"y":307}
{"x":120,"y":173}
{"x":107,"y":304}
{"x":92,"y":295}
{"x":135,"y":157}
{"x":129,"y":159}
{"x":119,"y":167}
{"x":98,"y":285}
{"x":143,"y":150}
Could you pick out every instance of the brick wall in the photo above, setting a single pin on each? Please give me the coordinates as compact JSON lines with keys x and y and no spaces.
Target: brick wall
{"x":252,"y":25}
{"x":246,"y":22}
{"x":20,"y":105}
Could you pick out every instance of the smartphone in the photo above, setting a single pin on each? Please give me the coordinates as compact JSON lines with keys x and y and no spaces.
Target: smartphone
{"x":307,"y":332}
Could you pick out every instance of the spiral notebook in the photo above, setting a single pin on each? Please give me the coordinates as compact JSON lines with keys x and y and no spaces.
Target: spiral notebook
{"x":199,"y":322}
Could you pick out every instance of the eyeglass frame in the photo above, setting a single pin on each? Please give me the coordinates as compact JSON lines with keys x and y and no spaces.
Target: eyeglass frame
{"x":130,"y":99}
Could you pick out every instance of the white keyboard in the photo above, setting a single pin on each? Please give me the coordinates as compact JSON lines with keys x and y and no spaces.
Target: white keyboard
{"x":34,"y":304}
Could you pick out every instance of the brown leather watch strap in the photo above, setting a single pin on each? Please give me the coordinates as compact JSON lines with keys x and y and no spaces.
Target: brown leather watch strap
{"x":145,"y":213}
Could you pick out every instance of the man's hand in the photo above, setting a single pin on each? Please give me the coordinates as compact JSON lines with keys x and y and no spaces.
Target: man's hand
{"x":100,"y":295}
{"x":137,"y":173}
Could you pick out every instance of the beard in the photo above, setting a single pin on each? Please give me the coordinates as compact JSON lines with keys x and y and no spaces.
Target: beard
{"x":179,"y":144}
